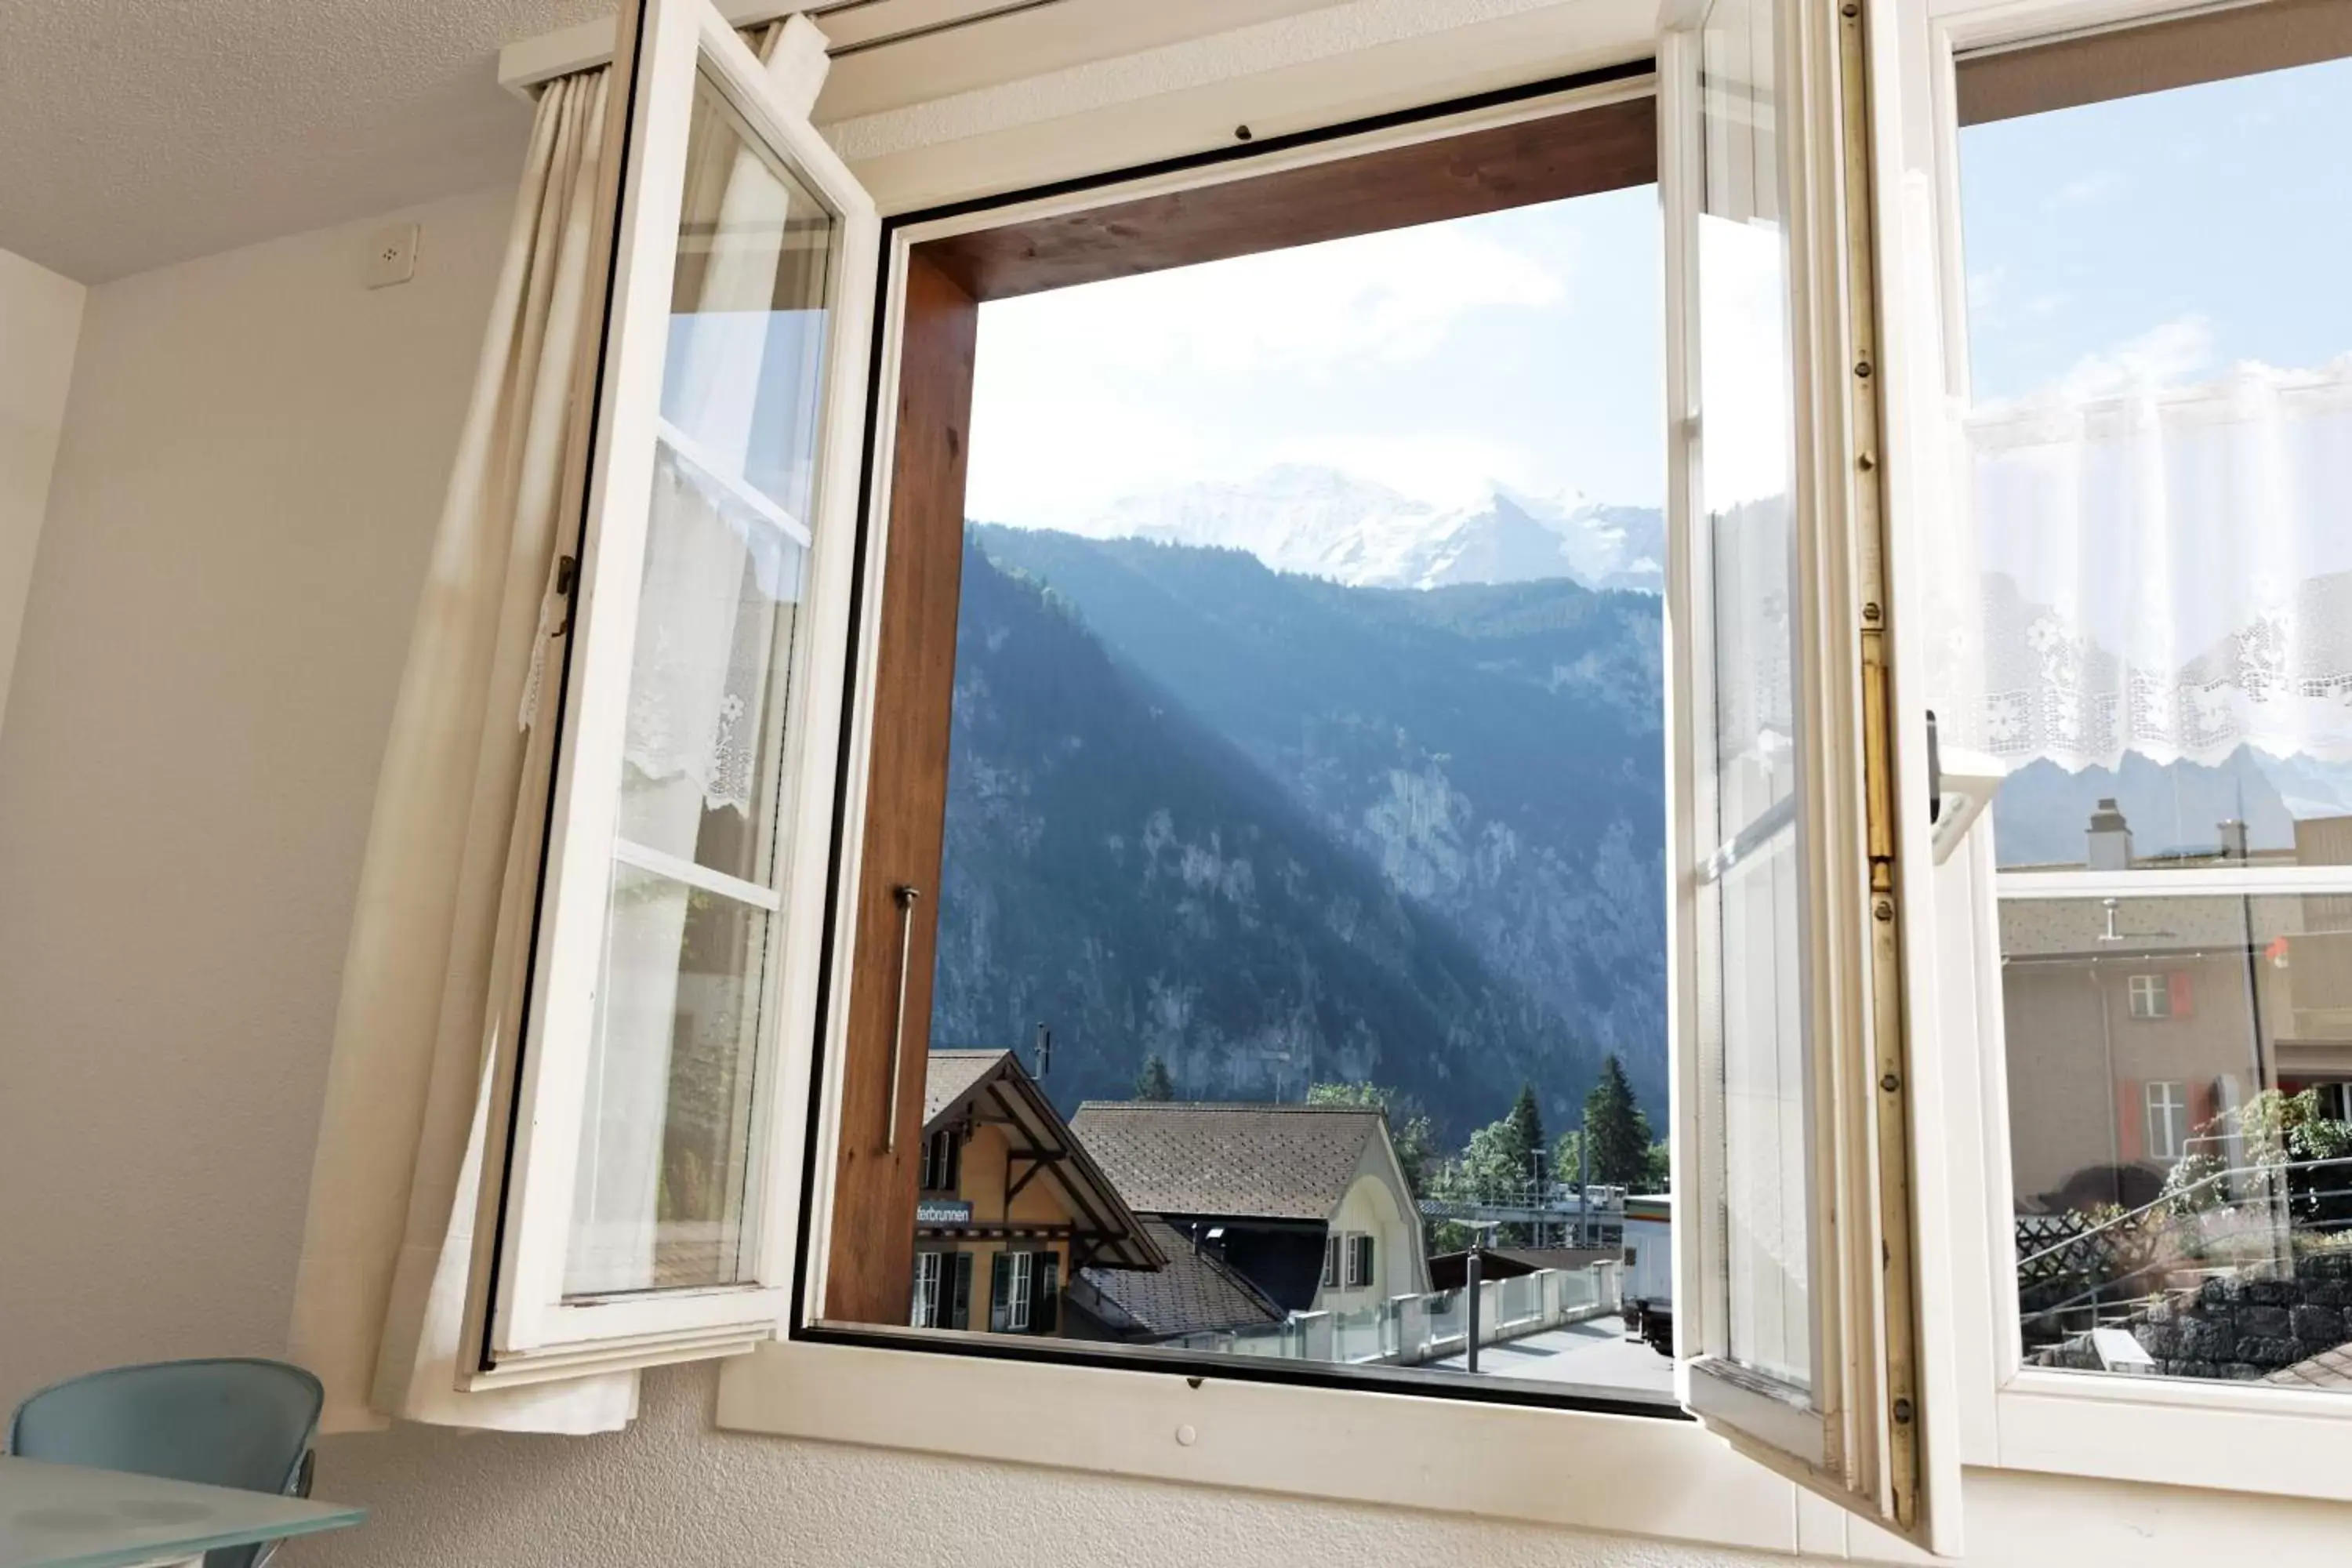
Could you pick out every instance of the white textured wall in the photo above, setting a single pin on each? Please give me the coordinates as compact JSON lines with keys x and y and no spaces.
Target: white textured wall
{"x":251,"y":467}
{"x":669,"y":1491}
{"x":40,"y":320}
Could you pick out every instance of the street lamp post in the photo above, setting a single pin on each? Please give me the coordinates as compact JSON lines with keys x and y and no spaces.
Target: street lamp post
{"x":1478,"y":1230}
{"x":1584,"y":1179}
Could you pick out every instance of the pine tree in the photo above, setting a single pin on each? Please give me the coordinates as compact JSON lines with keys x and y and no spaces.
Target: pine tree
{"x":1152,"y":1082}
{"x":1619,"y":1132}
{"x":1526,"y":1128}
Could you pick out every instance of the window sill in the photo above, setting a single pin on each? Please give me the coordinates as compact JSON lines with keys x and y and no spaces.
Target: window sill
{"x":2227,"y":1436}
{"x":1621,"y":1474}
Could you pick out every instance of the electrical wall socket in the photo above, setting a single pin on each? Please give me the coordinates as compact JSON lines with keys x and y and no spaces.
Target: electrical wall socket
{"x":392,"y":255}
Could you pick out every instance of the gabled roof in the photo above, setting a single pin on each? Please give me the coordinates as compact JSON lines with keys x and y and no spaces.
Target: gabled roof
{"x":1256,"y":1161}
{"x":1197,"y":1292}
{"x":950,"y":1076}
{"x":991,"y":1085}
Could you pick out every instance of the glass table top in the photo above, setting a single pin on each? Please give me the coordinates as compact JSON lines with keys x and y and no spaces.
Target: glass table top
{"x":65,"y":1516}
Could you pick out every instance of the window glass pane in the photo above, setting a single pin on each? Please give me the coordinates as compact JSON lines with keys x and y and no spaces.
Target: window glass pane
{"x":2159,"y":445}
{"x":2178,"y":1070}
{"x":2158,"y":452}
{"x":1752,"y":1000}
{"x":666,"y":1165}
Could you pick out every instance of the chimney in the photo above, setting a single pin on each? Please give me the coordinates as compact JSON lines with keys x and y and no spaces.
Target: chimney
{"x":1045,"y":1052}
{"x":2110,"y":840}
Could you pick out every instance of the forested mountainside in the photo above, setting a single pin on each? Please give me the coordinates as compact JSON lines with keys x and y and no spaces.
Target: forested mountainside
{"x":1278,"y":830}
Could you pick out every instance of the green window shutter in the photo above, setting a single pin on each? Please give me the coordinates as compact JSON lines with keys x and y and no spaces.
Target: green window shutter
{"x":1045,"y":1300}
{"x":959,"y":1314}
{"x":1000,"y":1292}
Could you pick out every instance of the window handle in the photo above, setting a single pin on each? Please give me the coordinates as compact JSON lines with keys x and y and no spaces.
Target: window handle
{"x":905,"y":895}
{"x":1961,"y":785}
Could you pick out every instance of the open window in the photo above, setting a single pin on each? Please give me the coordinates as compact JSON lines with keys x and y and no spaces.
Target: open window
{"x":643,"y":1213}
{"x":1797,"y":1323}
{"x":1793,"y":1301}
{"x":735,"y":948}
{"x":1271,"y":1178}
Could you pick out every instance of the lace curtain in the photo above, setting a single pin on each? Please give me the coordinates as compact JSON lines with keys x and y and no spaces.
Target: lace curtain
{"x":2166,"y":571}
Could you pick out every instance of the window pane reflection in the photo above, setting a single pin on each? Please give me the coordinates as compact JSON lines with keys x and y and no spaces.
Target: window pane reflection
{"x":2181,"y":1117}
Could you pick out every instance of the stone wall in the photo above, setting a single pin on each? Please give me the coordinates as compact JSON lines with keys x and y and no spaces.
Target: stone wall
{"x":2245,"y":1326}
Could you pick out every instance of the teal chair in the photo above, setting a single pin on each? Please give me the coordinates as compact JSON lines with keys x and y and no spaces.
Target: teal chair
{"x":226,"y":1422}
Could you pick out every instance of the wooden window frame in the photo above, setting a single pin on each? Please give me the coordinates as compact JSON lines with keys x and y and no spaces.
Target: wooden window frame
{"x":1551,"y":143}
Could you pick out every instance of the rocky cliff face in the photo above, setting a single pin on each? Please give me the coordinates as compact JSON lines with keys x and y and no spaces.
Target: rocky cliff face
{"x":1279,"y":829}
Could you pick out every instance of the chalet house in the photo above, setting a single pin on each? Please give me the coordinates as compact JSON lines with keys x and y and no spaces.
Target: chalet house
{"x":1307,"y":1202}
{"x":1010,"y":1203}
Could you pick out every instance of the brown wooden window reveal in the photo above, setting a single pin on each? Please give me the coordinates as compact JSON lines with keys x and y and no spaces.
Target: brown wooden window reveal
{"x":1546,"y":157}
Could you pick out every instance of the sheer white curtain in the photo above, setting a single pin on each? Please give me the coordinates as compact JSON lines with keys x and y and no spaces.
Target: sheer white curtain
{"x":445,"y":889}
{"x":433,"y":972}
{"x":2166,"y":571}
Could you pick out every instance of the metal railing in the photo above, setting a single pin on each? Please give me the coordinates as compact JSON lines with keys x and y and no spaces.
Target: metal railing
{"x":1408,"y":1331}
{"x":2230,"y":1219}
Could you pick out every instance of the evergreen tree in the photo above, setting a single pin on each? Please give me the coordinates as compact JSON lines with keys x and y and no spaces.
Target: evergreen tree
{"x":1526,"y":1128}
{"x":1620,"y":1134}
{"x":1152,"y":1082}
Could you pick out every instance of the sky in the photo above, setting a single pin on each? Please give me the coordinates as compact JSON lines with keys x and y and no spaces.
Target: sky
{"x":1523,"y":346}
{"x":2171,"y":235}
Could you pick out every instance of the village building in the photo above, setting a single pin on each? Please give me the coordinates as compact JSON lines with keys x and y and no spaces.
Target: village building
{"x":1307,"y":1202}
{"x":1012,"y":1207}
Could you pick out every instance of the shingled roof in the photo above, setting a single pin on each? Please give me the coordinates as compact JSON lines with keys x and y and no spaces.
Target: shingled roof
{"x":948,"y":1076}
{"x":1259,"y":1162}
{"x":1195,"y":1292}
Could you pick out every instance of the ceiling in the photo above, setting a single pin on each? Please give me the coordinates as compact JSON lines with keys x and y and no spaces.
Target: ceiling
{"x":134,"y":133}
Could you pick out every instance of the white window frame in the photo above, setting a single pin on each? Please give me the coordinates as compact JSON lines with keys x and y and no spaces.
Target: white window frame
{"x":1359,"y":1259}
{"x":2165,"y":1105}
{"x":1333,"y":1266}
{"x":2150,"y":996}
{"x":2233,"y":1437}
{"x":1020,"y":1283}
{"x":517,"y":1311}
{"x":929,"y":1270}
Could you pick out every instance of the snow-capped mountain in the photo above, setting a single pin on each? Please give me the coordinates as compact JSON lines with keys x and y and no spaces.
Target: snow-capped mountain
{"x":1326,"y":523}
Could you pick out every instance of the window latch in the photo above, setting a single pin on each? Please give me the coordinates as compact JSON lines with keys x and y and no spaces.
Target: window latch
{"x":567,"y":579}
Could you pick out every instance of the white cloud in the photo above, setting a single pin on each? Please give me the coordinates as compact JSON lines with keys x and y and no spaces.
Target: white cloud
{"x":1387,"y":298}
{"x":2165,"y":355}
{"x":1093,"y":448}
